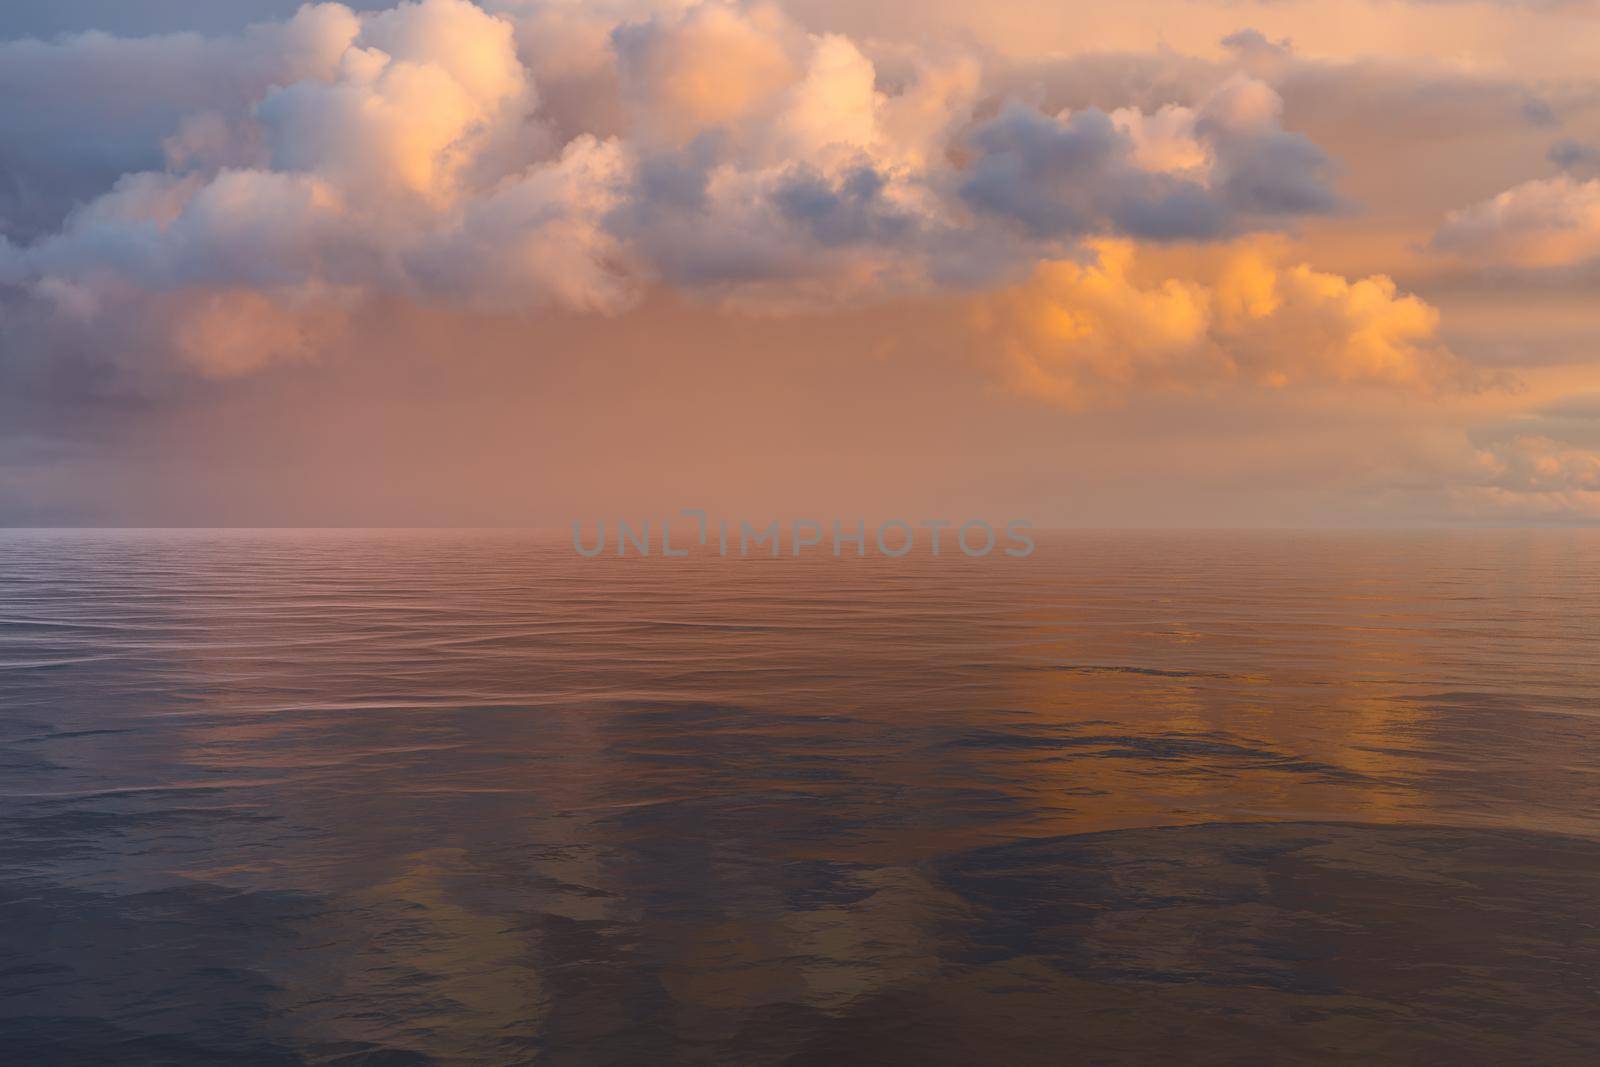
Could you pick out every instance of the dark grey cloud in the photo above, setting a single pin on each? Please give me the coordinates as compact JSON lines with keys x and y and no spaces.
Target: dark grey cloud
{"x":845,"y":210}
{"x":47,"y":19}
{"x":1271,"y":174}
{"x":1077,"y":174}
{"x":1050,"y":176}
{"x":1575,"y":157}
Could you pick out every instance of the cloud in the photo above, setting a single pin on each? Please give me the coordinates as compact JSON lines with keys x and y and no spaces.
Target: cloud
{"x":230,"y":332}
{"x":79,"y":113}
{"x":1554,"y":448}
{"x":1544,"y":224}
{"x":1223,"y":167}
{"x":1528,"y":475}
{"x":1258,"y":51}
{"x":1575,"y":157}
{"x":413,"y":101}
{"x":709,"y":66}
{"x":1081,"y":333}
{"x":542,"y":154}
{"x":536,"y":239}
{"x":377,"y":169}
{"x":1534,"y":463}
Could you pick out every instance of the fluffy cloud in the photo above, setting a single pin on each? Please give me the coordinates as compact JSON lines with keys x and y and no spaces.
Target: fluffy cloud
{"x":1078,"y":332}
{"x":369,"y":156}
{"x":1545,"y":224}
{"x":710,"y":66}
{"x":1180,"y":172}
{"x":539,"y":154}
{"x":78,"y":113}
{"x":410,"y":106}
{"x":538,"y":237}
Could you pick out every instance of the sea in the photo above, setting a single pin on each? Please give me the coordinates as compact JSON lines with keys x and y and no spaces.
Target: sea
{"x":405,"y":797}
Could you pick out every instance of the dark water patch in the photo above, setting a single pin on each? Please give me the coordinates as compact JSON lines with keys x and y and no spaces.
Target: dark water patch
{"x":1148,"y":672}
{"x":1331,"y":909}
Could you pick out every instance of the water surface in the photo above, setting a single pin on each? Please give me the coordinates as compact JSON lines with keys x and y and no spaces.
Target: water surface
{"x":376,"y":797}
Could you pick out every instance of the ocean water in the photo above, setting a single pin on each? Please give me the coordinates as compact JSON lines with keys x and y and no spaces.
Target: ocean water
{"x":374,"y":797}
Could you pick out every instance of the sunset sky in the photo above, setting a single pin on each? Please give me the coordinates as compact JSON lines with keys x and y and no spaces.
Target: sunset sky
{"x":528,"y":261}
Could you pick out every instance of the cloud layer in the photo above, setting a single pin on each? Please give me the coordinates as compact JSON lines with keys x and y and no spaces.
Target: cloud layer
{"x":252,"y":189}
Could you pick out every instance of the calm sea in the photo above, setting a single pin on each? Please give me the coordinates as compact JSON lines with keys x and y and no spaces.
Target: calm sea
{"x":394,"y":798}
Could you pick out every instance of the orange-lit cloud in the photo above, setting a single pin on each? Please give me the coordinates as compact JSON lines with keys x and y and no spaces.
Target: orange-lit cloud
{"x":1078,"y":333}
{"x":229,"y":333}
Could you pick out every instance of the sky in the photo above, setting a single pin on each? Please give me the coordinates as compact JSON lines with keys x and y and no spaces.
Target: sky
{"x":527,"y":262}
